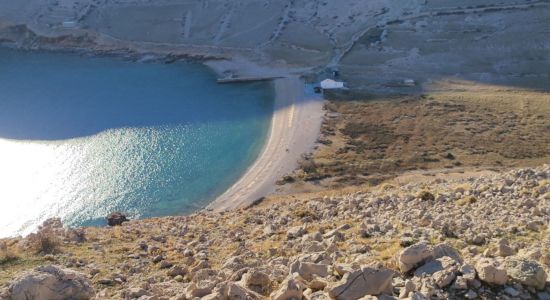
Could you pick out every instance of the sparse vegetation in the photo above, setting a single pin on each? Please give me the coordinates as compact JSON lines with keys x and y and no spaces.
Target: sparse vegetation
{"x":426,"y":196}
{"x":7,"y":255}
{"x":462,"y":126}
{"x":44,"y":242}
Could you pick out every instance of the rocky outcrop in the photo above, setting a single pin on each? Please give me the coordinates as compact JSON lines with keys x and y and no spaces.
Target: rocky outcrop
{"x":50,"y":283}
{"x":116,"y":219}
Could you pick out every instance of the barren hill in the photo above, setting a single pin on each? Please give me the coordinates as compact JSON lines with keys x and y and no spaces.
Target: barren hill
{"x":372,"y":42}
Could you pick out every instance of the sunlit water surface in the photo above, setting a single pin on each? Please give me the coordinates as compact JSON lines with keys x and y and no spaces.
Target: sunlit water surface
{"x":81,"y":137}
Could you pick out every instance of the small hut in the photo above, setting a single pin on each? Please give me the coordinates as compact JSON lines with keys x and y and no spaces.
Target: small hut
{"x":329,"y":84}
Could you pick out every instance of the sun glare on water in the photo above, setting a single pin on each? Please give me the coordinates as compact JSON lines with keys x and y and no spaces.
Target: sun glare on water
{"x":56,"y":179}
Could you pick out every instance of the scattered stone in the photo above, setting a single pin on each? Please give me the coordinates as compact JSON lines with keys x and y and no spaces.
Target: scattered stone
{"x":309,"y":270}
{"x":527,"y":272}
{"x":504,"y":249}
{"x":256,"y":261}
{"x":257,"y":281}
{"x":490,"y":271}
{"x":414,"y":256}
{"x":364,"y":282}
{"x":289,"y":289}
{"x":407,"y":289}
{"x":50,"y":283}
{"x":135,"y":293}
{"x":443,"y":270}
{"x":175,"y":271}
{"x":295,"y":232}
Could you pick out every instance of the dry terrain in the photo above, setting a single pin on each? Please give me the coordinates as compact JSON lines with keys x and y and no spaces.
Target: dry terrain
{"x":374,"y":43}
{"x":474,"y":237}
{"x":455,"y":126}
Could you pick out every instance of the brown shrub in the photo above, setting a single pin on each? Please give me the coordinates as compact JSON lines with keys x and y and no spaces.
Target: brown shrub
{"x":7,"y":255}
{"x":45,"y":241}
{"x":426,"y":196}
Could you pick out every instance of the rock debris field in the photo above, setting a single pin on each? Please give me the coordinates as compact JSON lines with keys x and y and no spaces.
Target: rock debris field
{"x":475,"y":238}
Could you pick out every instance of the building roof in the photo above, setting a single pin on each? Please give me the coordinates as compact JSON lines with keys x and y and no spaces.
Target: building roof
{"x":328,"y":84}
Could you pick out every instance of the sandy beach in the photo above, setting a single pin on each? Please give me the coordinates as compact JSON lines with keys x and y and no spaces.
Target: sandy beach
{"x":294,"y":129}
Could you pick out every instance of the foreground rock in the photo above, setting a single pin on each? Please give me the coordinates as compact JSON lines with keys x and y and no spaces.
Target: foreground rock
{"x":50,"y":283}
{"x":413,"y":256}
{"x":490,"y":271}
{"x":526,"y":272}
{"x":365,"y":282}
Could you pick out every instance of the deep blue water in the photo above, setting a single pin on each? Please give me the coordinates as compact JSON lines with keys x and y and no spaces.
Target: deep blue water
{"x":81,"y":137}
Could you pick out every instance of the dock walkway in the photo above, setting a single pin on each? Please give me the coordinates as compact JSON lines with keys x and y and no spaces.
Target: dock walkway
{"x":247,"y":79}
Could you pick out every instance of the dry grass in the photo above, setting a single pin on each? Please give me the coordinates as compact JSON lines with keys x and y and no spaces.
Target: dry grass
{"x":456,"y":126}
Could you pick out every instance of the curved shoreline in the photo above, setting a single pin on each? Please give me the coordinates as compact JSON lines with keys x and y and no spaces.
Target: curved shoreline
{"x":295,"y":127}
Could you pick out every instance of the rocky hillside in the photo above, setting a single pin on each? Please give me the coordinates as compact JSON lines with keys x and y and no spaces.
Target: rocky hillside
{"x":480,"y":237}
{"x":374,"y":43}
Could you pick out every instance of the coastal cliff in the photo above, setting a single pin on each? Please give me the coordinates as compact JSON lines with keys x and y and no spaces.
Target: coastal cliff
{"x":479,"y":236}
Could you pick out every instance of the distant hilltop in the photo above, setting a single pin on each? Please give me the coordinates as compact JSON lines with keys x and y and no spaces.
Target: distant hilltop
{"x":371,"y":42}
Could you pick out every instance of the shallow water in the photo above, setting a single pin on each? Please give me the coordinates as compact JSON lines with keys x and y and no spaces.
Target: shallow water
{"x":81,"y":137}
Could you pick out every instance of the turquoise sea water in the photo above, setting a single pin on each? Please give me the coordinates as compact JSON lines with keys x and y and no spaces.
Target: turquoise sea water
{"x":81,"y":137}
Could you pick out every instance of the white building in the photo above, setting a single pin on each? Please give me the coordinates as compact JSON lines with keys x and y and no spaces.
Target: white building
{"x":329,"y":84}
{"x":409,"y":82}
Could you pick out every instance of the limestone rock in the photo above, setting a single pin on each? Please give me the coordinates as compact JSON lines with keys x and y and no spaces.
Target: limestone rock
{"x":295,"y":232}
{"x":135,"y":293}
{"x":51,"y":283}
{"x":490,"y":271}
{"x":443,"y":270}
{"x":237,"y":292}
{"x":308,"y":270}
{"x":526,"y":272}
{"x":290,"y":289}
{"x":360,"y":283}
{"x":200,"y":289}
{"x":413,"y":256}
{"x":409,"y":287}
{"x":175,"y":271}
{"x":319,"y":296}
{"x":503,"y":248}
{"x":442,"y":250}
{"x":257,"y":281}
